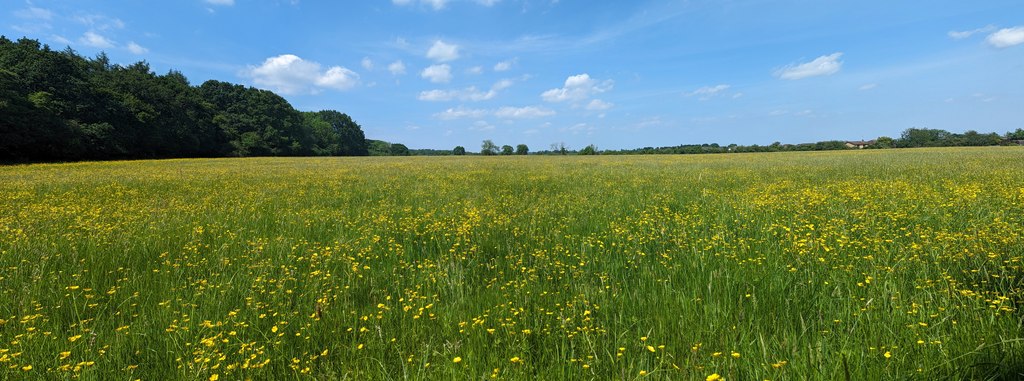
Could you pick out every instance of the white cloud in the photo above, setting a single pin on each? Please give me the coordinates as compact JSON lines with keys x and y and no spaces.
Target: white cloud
{"x":290,"y":74}
{"x":824,"y":65}
{"x":599,"y":105}
{"x":338,"y":78}
{"x":522,"y":112}
{"x":481,"y":125}
{"x":221,"y":2}
{"x":440,"y":4}
{"x":708,"y":92}
{"x":34,"y":13}
{"x":577,"y":88}
{"x":502,"y":84}
{"x":504,"y":65}
{"x":960,"y":35}
{"x":460,"y":113}
{"x":1006,"y":37}
{"x":367,"y":63}
{"x":868,"y":86}
{"x":97,"y":22}
{"x":136,"y":48}
{"x":443,"y":52}
{"x":95,"y":40}
{"x":468,"y":94}
{"x":437,"y":73}
{"x":397,"y":68}
{"x":475,"y":70}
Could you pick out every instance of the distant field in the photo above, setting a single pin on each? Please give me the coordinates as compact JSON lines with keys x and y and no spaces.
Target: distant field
{"x":866,"y":265}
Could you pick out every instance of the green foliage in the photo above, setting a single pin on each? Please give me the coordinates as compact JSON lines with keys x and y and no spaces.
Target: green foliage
{"x":589,"y":150}
{"x":61,"y":106}
{"x":522,"y":149}
{"x":488,"y":148}
{"x":868,"y":265}
{"x":507,"y":150}
{"x":399,"y":149}
{"x":459,"y":151}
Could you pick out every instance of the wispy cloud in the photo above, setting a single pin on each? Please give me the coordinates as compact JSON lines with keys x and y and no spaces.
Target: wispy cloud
{"x":824,"y":65}
{"x":95,"y":40}
{"x":960,"y":35}
{"x":136,"y":48}
{"x":708,"y":92}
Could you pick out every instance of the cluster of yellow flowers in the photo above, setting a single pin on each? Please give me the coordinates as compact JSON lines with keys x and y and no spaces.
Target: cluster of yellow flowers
{"x":738,"y":266}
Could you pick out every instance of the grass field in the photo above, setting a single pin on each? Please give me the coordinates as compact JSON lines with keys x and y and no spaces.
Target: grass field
{"x":862,"y":265}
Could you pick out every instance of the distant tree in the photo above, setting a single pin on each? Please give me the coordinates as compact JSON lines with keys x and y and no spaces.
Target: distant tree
{"x":459,"y":151}
{"x":1015,"y":135}
{"x":559,"y":148}
{"x":923,"y":137}
{"x":882,"y":142}
{"x":349,"y":136}
{"x":399,"y":149}
{"x":522,"y":149}
{"x":379,"y":147}
{"x":488,"y":148}
{"x":507,"y":150}
{"x":589,"y":150}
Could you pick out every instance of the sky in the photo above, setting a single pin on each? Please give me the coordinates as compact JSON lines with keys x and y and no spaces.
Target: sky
{"x":616,"y":74}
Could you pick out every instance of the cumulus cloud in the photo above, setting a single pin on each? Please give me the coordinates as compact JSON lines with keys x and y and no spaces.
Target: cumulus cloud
{"x":522,"y":112}
{"x":461,"y":113}
{"x":824,"y":65}
{"x":475,"y":70}
{"x":443,"y":52}
{"x":136,"y":48}
{"x":1006,"y":37}
{"x":397,"y":68}
{"x":367,"y":63}
{"x":221,"y":2}
{"x":577,"y":88}
{"x":960,"y":35}
{"x":437,"y":73}
{"x":95,"y":40}
{"x":289,"y":74}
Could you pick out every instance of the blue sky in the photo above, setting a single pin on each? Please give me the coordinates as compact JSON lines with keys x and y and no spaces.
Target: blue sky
{"x":617,"y":74}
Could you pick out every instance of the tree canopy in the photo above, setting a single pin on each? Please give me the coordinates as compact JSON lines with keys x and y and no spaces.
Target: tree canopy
{"x":58,"y":105}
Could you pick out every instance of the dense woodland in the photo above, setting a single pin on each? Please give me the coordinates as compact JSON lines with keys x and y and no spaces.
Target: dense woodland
{"x":58,"y":105}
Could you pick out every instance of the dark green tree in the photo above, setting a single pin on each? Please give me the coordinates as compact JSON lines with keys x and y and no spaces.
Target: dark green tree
{"x":350,"y":138}
{"x":488,"y":148}
{"x":459,"y":151}
{"x":507,"y":150}
{"x":589,"y":150}
{"x":522,"y":149}
{"x":399,"y":149}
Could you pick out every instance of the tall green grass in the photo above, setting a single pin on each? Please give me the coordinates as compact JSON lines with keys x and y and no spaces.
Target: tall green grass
{"x":896,"y":264}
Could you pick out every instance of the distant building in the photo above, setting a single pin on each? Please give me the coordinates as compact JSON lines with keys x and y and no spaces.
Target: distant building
{"x":859,"y":144}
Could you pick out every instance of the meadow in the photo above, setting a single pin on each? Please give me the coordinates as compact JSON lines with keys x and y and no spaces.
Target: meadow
{"x":857,"y":265}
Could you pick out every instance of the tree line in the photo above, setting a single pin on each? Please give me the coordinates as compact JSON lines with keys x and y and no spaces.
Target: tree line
{"x":58,"y":105}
